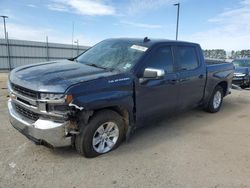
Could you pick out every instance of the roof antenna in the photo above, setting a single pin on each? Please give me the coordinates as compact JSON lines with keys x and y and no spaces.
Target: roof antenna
{"x":146,"y":39}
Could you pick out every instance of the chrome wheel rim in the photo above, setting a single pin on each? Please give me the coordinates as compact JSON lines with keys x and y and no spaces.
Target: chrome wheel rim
{"x":217,"y":99}
{"x":105,"y":137}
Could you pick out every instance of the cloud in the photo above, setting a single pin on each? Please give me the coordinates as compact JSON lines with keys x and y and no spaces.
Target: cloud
{"x":246,"y":2}
{"x":58,"y":7}
{"x":83,"y":7}
{"x":142,"y":25}
{"x":23,"y":32}
{"x":137,"y":6}
{"x":231,"y":30}
{"x":32,"y":5}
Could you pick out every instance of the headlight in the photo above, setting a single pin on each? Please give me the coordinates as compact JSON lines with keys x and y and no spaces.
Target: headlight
{"x":51,"y":96}
{"x":239,"y":74}
{"x":55,"y":98}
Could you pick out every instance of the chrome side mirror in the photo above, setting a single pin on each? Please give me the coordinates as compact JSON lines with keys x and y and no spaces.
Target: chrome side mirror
{"x":151,"y":73}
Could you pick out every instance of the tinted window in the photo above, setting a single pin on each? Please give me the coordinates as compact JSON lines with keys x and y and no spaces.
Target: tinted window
{"x":186,"y":58}
{"x":161,"y":59}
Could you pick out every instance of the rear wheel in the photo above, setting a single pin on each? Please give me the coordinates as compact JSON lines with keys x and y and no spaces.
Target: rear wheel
{"x":245,"y":86}
{"x":104,"y":133}
{"x":216,"y":100}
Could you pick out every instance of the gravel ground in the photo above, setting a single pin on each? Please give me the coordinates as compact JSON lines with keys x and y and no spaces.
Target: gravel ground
{"x":193,"y":149}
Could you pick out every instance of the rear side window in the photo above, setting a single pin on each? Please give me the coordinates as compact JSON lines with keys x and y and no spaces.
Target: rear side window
{"x":162,"y":58}
{"x":186,"y":58}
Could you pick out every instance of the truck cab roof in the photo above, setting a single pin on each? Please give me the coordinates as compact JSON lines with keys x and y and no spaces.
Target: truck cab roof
{"x":150,"y":42}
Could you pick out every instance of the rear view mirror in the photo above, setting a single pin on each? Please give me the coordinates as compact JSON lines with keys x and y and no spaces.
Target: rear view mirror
{"x":152,"y":73}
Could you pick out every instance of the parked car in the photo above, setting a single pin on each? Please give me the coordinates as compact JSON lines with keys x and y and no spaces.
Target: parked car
{"x":242,"y":73}
{"x":95,"y":100}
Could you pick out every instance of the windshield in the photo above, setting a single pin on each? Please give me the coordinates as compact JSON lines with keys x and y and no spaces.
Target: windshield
{"x":242,"y":63}
{"x":113,"y":54}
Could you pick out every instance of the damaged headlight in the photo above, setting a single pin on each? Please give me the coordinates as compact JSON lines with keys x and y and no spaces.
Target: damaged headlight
{"x":58,"y":108}
{"x":56,"y":98}
{"x":56,"y":103}
{"x":51,"y":96}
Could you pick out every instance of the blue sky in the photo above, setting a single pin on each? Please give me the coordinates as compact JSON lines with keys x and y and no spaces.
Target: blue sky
{"x":212,"y":23}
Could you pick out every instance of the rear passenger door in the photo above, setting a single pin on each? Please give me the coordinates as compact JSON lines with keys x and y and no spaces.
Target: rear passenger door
{"x":192,"y":75}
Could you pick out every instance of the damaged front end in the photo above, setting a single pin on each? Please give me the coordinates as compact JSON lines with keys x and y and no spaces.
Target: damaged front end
{"x":45,"y":118}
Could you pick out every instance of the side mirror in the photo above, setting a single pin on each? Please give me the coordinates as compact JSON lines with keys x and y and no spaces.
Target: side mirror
{"x":151,"y":73}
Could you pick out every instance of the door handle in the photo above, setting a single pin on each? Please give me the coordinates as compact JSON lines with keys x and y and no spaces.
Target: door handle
{"x":201,"y":76}
{"x":174,"y":81}
{"x":184,"y":79}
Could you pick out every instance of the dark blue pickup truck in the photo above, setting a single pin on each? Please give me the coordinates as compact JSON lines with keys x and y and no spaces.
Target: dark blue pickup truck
{"x":95,"y":100}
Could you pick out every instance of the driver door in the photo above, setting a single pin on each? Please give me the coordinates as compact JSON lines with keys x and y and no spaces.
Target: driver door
{"x":158,"y":96}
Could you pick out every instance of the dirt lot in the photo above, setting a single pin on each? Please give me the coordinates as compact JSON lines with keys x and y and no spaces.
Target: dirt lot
{"x":195,"y":149}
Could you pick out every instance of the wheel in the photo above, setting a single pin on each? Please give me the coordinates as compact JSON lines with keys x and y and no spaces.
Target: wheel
{"x":103,"y":133}
{"x":243,"y":87}
{"x":216,"y":100}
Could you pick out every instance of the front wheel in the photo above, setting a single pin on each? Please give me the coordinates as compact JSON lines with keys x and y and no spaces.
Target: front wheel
{"x":104,"y":133}
{"x":216,"y":100}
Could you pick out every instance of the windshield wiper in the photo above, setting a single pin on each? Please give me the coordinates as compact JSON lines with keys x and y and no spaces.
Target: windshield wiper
{"x":71,"y":59}
{"x":98,"y":66}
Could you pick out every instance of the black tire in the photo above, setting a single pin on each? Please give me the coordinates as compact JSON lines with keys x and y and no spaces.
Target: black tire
{"x":83,"y":141}
{"x":210,"y":107}
{"x":245,"y":86}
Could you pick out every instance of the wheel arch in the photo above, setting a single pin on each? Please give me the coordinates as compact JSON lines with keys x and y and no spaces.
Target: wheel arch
{"x":123,"y":112}
{"x":224,"y":86}
{"x":127,"y":116}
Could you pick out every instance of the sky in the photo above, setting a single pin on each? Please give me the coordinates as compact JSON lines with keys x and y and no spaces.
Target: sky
{"x":215,"y":24}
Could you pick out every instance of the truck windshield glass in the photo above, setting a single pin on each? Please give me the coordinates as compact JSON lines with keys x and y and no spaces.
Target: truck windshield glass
{"x":113,"y":54}
{"x":241,"y":63}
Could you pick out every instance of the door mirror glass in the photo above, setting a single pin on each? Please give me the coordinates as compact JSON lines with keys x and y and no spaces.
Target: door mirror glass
{"x":152,"y":73}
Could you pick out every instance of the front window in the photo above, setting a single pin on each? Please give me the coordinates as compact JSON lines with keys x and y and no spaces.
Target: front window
{"x":113,"y":54}
{"x":242,"y":63}
{"x":161,"y":59}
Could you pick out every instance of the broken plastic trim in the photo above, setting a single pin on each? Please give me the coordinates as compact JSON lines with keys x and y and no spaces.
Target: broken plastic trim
{"x":77,"y":107}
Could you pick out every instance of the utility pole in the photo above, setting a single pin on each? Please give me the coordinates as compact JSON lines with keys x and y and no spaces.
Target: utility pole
{"x":73,"y":28}
{"x":47,"y":47}
{"x":4,"y":26}
{"x":177,"y":24}
{"x":6,"y":39}
{"x":77,"y":43}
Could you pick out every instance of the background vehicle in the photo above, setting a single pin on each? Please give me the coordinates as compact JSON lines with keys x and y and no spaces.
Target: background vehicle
{"x":96,"y":99}
{"x":242,"y":72}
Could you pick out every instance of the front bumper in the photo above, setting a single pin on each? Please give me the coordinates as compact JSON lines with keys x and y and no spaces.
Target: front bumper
{"x":41,"y":131}
{"x":240,"y":81}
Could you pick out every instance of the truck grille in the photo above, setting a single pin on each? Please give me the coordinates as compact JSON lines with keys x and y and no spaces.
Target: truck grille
{"x":24,"y":91}
{"x":27,"y":113}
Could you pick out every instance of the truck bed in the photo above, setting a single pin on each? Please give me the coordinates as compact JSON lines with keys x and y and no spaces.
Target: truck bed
{"x":218,"y":71}
{"x":218,"y":65}
{"x":209,"y":61}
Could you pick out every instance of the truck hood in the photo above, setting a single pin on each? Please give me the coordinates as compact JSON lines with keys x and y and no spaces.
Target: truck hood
{"x":55,"y":76}
{"x":242,"y":70}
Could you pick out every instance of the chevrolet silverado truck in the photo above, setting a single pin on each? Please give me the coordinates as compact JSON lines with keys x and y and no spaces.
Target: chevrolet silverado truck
{"x":95,"y":100}
{"x":242,"y":72}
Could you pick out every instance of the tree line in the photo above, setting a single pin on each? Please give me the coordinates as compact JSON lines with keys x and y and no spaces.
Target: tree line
{"x":222,"y":54}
